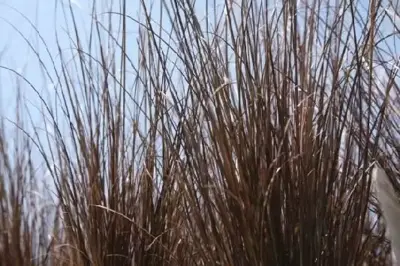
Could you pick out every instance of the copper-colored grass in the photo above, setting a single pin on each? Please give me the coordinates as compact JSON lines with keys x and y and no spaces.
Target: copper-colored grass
{"x":239,"y":139}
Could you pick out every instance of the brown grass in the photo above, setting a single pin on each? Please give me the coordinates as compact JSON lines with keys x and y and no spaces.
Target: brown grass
{"x":239,"y":139}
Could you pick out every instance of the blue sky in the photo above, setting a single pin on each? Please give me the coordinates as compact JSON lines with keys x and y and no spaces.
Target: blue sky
{"x":48,"y":18}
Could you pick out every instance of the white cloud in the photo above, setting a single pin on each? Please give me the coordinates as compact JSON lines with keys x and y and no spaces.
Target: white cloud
{"x":76,"y":3}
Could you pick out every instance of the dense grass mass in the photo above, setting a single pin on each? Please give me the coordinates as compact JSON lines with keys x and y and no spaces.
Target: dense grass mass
{"x":244,"y":137}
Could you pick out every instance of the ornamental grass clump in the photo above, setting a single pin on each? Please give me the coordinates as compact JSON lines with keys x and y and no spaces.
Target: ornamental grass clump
{"x":237,"y":133}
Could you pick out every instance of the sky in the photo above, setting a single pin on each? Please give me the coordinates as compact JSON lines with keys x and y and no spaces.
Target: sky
{"x":22,"y":22}
{"x":31,"y":27}
{"x":47,"y":16}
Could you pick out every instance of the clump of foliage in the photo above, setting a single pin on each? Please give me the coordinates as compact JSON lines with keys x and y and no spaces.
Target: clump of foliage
{"x":242,"y":138}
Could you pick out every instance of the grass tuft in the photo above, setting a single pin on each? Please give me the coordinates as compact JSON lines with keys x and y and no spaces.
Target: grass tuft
{"x":245,"y":137}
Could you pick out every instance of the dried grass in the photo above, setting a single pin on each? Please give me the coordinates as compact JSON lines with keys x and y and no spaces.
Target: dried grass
{"x":241,"y":139}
